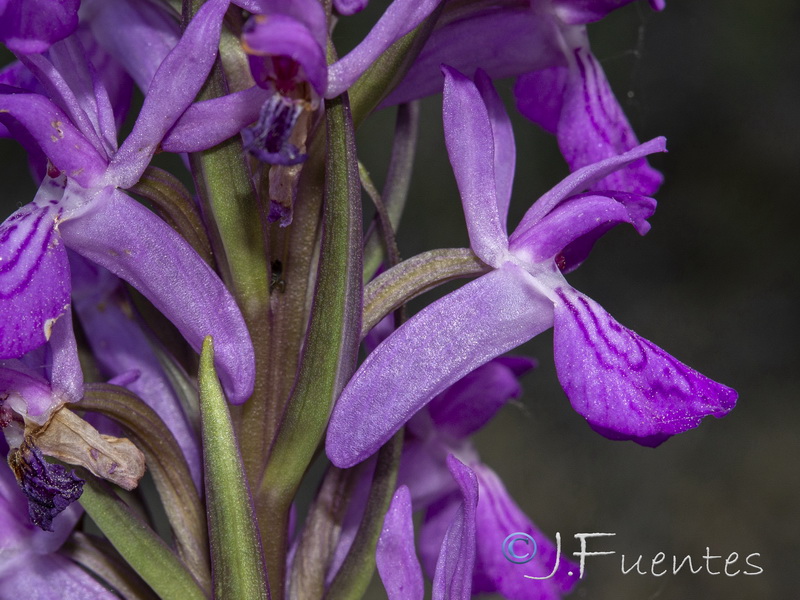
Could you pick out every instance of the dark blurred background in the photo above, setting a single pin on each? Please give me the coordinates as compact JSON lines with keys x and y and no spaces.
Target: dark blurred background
{"x":714,"y":283}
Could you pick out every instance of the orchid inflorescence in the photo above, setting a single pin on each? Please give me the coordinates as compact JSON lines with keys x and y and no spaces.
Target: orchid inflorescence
{"x":116,"y":276}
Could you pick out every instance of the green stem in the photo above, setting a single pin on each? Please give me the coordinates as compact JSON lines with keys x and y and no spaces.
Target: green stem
{"x":331,"y":345}
{"x":398,"y":180}
{"x":237,"y":228}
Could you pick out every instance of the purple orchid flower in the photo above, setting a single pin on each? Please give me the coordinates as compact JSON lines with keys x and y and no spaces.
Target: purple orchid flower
{"x":80,"y":206}
{"x":114,"y":79}
{"x":561,"y":86}
{"x":442,"y":429}
{"x":32,"y":26}
{"x":30,"y":566}
{"x":287,"y":53}
{"x":516,"y":38}
{"x":576,"y":104}
{"x":395,"y":557}
{"x":296,"y":32}
{"x":623,"y":385}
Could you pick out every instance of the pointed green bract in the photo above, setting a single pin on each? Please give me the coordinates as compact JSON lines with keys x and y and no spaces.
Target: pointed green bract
{"x":237,"y":564}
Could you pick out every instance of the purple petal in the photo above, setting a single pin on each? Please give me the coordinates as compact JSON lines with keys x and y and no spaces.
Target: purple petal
{"x":593,"y":127}
{"x":497,"y":517}
{"x":471,"y":402}
{"x":29,"y":26}
{"x":505,"y":152}
{"x":453,"y":577}
{"x":49,"y":487}
{"x":513,"y":40}
{"x":626,"y":387}
{"x":580,"y":12}
{"x":68,"y":81}
{"x":307,"y":12}
{"x":580,"y":180}
{"x":53,"y":131}
{"x":401,"y":17}
{"x":395,"y":555}
{"x":102,"y":86}
{"x":639,"y":208}
{"x":434,"y":349}
{"x":64,"y":367}
{"x":173,"y":89}
{"x":349,"y":7}
{"x":470,"y":144}
{"x":112,"y":88}
{"x":271,"y":40}
{"x":540,"y":96}
{"x":142,"y":44}
{"x":50,"y":577}
{"x":571,"y":229}
{"x":208,"y":123}
{"x":26,"y":392}
{"x":34,"y":274}
{"x":121,"y":235}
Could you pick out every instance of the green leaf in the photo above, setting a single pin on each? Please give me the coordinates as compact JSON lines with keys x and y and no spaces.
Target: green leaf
{"x":179,"y":496}
{"x":139,"y":545}
{"x":237,"y":561}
